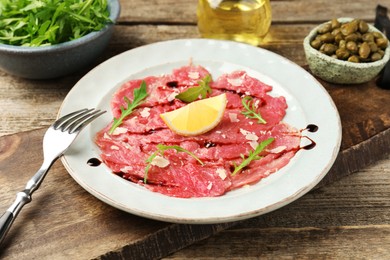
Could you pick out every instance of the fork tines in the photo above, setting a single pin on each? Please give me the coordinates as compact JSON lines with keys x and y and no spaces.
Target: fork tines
{"x":77,"y":120}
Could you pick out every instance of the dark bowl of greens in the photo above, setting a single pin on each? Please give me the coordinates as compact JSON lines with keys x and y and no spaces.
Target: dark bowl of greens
{"x":53,"y":38}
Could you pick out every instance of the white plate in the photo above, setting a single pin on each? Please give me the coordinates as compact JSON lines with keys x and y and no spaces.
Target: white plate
{"x":308,"y":103}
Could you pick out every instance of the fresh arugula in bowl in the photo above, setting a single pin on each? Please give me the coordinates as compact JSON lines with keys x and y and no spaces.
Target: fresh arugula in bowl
{"x":49,"y":22}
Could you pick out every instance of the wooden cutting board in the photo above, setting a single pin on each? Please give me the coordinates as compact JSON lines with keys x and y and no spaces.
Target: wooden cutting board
{"x":65,"y":222}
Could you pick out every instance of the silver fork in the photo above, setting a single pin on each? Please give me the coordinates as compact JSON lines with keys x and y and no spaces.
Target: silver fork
{"x":56,"y":141}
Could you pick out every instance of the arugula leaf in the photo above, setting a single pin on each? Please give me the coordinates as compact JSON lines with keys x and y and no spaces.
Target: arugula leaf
{"x":48,"y":22}
{"x":139,"y":95}
{"x":161,"y":148}
{"x":253,"y":155}
{"x":192,"y":94}
{"x":250,"y":110}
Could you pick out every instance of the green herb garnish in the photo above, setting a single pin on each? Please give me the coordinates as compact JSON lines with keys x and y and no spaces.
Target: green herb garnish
{"x":161,"y":148}
{"x":253,"y":155}
{"x":250,"y":110}
{"x":139,"y":95}
{"x":48,"y":22}
{"x":192,"y":94}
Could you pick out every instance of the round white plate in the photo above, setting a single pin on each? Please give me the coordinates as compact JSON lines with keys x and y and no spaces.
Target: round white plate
{"x":308,"y":103}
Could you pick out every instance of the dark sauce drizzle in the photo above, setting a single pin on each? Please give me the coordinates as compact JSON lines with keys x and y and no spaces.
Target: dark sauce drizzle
{"x":309,"y":146}
{"x":209,"y":144}
{"x":310,"y":128}
{"x":94,"y":162}
{"x":172,"y":84}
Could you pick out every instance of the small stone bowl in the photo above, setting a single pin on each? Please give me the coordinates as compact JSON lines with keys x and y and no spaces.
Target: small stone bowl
{"x":339,"y":71}
{"x":61,"y":59}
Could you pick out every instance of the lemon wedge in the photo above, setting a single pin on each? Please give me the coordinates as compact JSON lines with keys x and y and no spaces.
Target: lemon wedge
{"x":197,"y":117}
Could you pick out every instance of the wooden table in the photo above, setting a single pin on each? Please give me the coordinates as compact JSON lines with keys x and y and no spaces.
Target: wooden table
{"x":342,"y":219}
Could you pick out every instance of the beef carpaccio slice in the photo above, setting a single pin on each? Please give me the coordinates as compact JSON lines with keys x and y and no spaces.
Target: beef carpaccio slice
{"x":126,"y":150}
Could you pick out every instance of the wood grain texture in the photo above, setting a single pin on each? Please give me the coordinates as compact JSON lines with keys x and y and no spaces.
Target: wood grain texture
{"x":283,"y":11}
{"x":65,"y":222}
{"x":341,"y":219}
{"x":349,"y":219}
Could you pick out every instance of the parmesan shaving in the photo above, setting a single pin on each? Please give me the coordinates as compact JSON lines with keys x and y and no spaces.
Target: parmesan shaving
{"x":119,"y":130}
{"x":253,"y":144}
{"x":233,"y":118}
{"x":160,"y":161}
{"x":145,"y":112}
{"x":278,"y":149}
{"x":193,"y":75}
{"x":221,"y":173}
{"x":114,"y":147}
{"x":235,"y":82}
{"x":172,"y":96}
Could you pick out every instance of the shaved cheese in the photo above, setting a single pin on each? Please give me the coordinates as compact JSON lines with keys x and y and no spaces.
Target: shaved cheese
{"x":233,"y":118}
{"x":119,"y":130}
{"x":172,"y":96}
{"x":221,"y":173}
{"x":145,"y":112}
{"x":235,"y":82}
{"x":193,"y":75}
{"x":278,"y":149}
{"x":114,"y":147}
{"x":253,"y":144}
{"x":160,"y":161}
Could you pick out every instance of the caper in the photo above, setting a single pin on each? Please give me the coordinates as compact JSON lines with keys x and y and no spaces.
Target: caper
{"x":354,"y":58}
{"x":382,"y":43}
{"x":316,"y":44}
{"x":364,"y":50}
{"x":342,"y":53}
{"x":373,"y":46}
{"x":329,"y":48}
{"x":325,"y":28}
{"x":376,"y":56}
{"x":363,"y":27}
{"x":377,"y":35}
{"x":342,"y":44}
{"x":335,"y":24}
{"x":352,"y":37}
{"x":336,"y":31}
{"x":349,"y":28}
{"x":327,"y":37}
{"x":368,"y":37}
{"x":338,"y":37}
{"x":352,"y":47}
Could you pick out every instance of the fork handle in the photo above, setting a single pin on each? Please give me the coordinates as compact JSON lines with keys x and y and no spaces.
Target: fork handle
{"x":22,"y":198}
{"x":6,"y":220}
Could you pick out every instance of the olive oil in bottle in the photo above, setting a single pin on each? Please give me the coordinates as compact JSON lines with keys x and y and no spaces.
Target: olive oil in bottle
{"x":239,"y":20}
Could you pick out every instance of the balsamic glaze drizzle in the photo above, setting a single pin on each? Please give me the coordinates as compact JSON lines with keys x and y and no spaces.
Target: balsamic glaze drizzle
{"x":310,"y":128}
{"x":172,"y":84}
{"x":309,"y":146}
{"x":209,"y":144}
{"x":94,"y":162}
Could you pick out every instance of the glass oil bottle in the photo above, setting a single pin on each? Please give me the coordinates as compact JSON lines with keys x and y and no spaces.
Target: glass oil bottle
{"x":238,"y":20}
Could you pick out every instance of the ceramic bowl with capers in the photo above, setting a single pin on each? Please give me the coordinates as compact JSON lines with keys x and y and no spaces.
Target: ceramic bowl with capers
{"x":346,"y":51}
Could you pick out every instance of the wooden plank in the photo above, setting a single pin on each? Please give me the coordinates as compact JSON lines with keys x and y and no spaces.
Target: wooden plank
{"x":346,"y":220}
{"x":184,"y":12}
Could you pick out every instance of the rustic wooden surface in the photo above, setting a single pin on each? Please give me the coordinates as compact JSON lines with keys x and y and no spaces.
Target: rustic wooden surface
{"x":348,"y":218}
